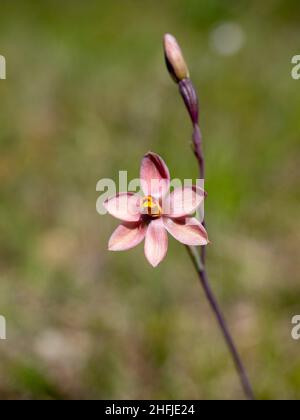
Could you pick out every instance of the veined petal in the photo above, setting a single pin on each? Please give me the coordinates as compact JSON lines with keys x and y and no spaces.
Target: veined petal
{"x":154,"y":175}
{"x":126,"y":236}
{"x":187,"y":230}
{"x":183,"y":201}
{"x":124,"y":206}
{"x":156,"y":242}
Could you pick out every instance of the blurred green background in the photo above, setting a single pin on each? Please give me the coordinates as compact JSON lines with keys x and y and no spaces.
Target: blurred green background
{"x":86,"y":95}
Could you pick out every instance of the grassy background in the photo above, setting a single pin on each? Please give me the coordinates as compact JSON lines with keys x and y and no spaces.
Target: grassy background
{"x":87,"y":95}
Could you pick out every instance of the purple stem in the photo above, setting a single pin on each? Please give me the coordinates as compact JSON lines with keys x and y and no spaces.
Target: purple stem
{"x":190,"y":98}
{"x":223,"y":325}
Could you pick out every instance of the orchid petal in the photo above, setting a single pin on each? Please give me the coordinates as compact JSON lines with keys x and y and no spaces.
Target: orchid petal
{"x":154,"y":175}
{"x":183,"y":201}
{"x":124,"y":206}
{"x":126,"y":236}
{"x":188,"y":230}
{"x":156,"y":242}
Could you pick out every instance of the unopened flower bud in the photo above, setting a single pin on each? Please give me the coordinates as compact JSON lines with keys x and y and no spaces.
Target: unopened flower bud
{"x":174,"y":59}
{"x":190,"y":98}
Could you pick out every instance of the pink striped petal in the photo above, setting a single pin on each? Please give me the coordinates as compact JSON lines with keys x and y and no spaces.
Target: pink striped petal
{"x":156,"y":242}
{"x":189,"y":230}
{"x":154,"y":175}
{"x":126,"y":236}
{"x":183,"y":201}
{"x":124,"y":206}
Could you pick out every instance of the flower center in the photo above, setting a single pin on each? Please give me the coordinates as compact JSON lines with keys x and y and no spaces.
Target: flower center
{"x":151,"y":207}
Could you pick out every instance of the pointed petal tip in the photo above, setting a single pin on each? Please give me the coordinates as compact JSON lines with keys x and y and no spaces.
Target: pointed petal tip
{"x":205,"y":243}
{"x":110,"y":247}
{"x":150,"y":153}
{"x":154,"y":265}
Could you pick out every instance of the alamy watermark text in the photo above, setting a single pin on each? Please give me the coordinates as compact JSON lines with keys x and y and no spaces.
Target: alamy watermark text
{"x":2,"y":67}
{"x":2,"y":328}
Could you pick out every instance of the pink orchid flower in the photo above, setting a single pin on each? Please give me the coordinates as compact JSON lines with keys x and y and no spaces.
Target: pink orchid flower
{"x":150,"y":217}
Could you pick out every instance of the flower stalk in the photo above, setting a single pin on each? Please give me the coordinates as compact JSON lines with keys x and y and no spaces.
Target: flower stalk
{"x":190,"y":98}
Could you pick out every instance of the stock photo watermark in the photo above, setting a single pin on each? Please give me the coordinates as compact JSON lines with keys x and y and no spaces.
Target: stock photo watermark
{"x":295,"y":73}
{"x":2,"y":328}
{"x":2,"y":67}
{"x":178,"y":193}
{"x":295,"y":333}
